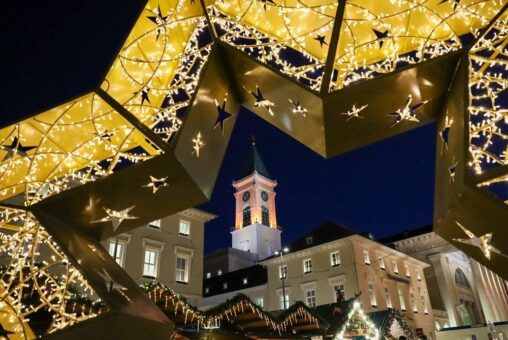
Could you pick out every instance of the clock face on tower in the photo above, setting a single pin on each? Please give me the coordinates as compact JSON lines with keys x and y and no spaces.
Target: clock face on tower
{"x":246,"y":196}
{"x":264,"y":196}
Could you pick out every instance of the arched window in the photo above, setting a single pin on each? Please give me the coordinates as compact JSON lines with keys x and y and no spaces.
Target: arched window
{"x":265,"y":216}
{"x":246,"y":216}
{"x":461,"y":279}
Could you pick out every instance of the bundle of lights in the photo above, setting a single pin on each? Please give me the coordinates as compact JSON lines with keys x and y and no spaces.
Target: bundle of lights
{"x":371,"y":331}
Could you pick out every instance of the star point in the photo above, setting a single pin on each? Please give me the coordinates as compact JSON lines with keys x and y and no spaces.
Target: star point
{"x":116,"y":217}
{"x":261,"y":101}
{"x":222,"y":114}
{"x":354,"y":112}
{"x":407,"y":113}
{"x":156,"y":183}
{"x":483,"y":242}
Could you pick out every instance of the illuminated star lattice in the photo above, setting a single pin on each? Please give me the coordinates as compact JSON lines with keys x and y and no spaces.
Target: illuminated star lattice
{"x":37,"y":281}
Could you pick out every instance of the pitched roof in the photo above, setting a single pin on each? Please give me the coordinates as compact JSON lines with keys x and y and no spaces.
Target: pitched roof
{"x":253,"y":163}
{"x":406,"y":234}
{"x":326,"y":232}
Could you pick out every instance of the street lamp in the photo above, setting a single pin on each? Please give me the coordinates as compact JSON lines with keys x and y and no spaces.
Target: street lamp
{"x":282,"y":274}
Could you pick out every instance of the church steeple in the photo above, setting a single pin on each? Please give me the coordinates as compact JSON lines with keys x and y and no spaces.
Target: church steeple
{"x":256,"y":228}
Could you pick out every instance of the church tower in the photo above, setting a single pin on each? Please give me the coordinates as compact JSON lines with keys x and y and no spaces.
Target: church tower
{"x":256,"y":228}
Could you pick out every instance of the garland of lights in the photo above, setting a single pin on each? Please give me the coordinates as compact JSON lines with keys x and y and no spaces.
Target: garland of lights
{"x":394,"y":316}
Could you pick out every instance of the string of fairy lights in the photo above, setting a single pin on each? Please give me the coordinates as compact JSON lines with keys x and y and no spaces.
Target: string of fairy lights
{"x":488,"y":109}
{"x":37,"y":281}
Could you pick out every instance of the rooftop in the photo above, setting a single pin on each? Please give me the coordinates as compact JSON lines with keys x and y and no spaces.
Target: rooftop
{"x":254,"y":163}
{"x":235,"y":280}
{"x":326,"y":232}
{"x":406,"y":234}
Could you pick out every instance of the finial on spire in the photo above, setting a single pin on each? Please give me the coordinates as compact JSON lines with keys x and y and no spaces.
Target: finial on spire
{"x":253,"y":140}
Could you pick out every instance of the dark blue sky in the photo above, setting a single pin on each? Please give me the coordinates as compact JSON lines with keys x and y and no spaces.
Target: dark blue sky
{"x":54,"y":49}
{"x":383,"y":188}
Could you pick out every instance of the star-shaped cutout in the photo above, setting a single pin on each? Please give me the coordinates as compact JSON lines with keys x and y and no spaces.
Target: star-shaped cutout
{"x":116,"y":217}
{"x":222,"y":114}
{"x":15,"y":148}
{"x":265,"y":2}
{"x":455,"y":3}
{"x":159,"y":20}
{"x":261,"y":101}
{"x":407,"y":113}
{"x":380,"y":36}
{"x":444,"y":134}
{"x":198,"y":144}
{"x":320,"y":39}
{"x":452,"y":170}
{"x":298,"y":108}
{"x":5,"y":333}
{"x":354,"y":112}
{"x":156,"y":183}
{"x":144,"y":96}
{"x":483,"y":242}
{"x":106,"y":135}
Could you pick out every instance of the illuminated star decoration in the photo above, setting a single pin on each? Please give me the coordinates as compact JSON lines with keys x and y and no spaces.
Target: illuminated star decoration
{"x":198,"y":144}
{"x":116,"y":217}
{"x":261,"y":101}
{"x":354,"y":112}
{"x":156,"y":183}
{"x":106,"y":135}
{"x":482,"y":242}
{"x":380,"y":36}
{"x":222,"y":114}
{"x":455,"y":3}
{"x":407,"y":112}
{"x":158,"y":20}
{"x":452,"y":170}
{"x":15,"y":148}
{"x":297,"y":108}
{"x":321,"y":40}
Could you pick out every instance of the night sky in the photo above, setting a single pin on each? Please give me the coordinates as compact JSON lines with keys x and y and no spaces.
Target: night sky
{"x":52,"y":50}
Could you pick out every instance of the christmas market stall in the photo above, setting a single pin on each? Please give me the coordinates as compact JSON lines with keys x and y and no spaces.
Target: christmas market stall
{"x":391,"y":325}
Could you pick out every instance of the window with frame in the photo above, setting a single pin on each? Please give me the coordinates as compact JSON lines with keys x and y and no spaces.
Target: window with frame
{"x":245,"y":280}
{"x":182,"y":269}
{"x":413,"y":302}
{"x":395,"y":267}
{"x":219,"y":272}
{"x":382,"y":263}
{"x":244,"y":245}
{"x":150,"y":263}
{"x":310,"y":298}
{"x":339,"y":288}
{"x":408,"y":272}
{"x":307,"y":266}
{"x":372,"y":294}
{"x":118,"y":253}
{"x":208,"y":275}
{"x":366,"y":258}
{"x":461,"y":279}
{"x":284,"y":298}
{"x":265,"y":216}
{"x":309,"y":240}
{"x":246,"y":218}
{"x":156,"y":224}
{"x":184,"y":228}
{"x":388,"y":298}
{"x":260,"y":301}
{"x":335,"y":259}
{"x":401,"y":299}
{"x":225,"y":285}
{"x":283,"y":272}
{"x":422,"y":299}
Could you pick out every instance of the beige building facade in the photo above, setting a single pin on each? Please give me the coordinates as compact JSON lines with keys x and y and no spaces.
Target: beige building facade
{"x":463,"y":292}
{"x":169,"y":250}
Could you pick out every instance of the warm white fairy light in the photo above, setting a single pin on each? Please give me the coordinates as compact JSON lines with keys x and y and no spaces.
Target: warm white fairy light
{"x":370,"y":333}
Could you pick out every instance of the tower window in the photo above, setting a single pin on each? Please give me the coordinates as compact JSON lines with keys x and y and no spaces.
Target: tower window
{"x":265,"y":216}
{"x":246,"y":217}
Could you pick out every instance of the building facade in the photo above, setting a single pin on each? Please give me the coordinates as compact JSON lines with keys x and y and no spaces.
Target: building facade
{"x":169,"y":250}
{"x":463,"y":292}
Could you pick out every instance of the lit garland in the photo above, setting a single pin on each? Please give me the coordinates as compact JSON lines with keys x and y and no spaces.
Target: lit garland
{"x":38,"y":277}
{"x":394,"y":316}
{"x":357,"y":324}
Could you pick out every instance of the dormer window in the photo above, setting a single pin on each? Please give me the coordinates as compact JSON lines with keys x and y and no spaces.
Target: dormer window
{"x":309,"y":240}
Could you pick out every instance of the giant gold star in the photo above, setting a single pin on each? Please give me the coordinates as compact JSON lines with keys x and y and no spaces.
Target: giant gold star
{"x":483,"y":242}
